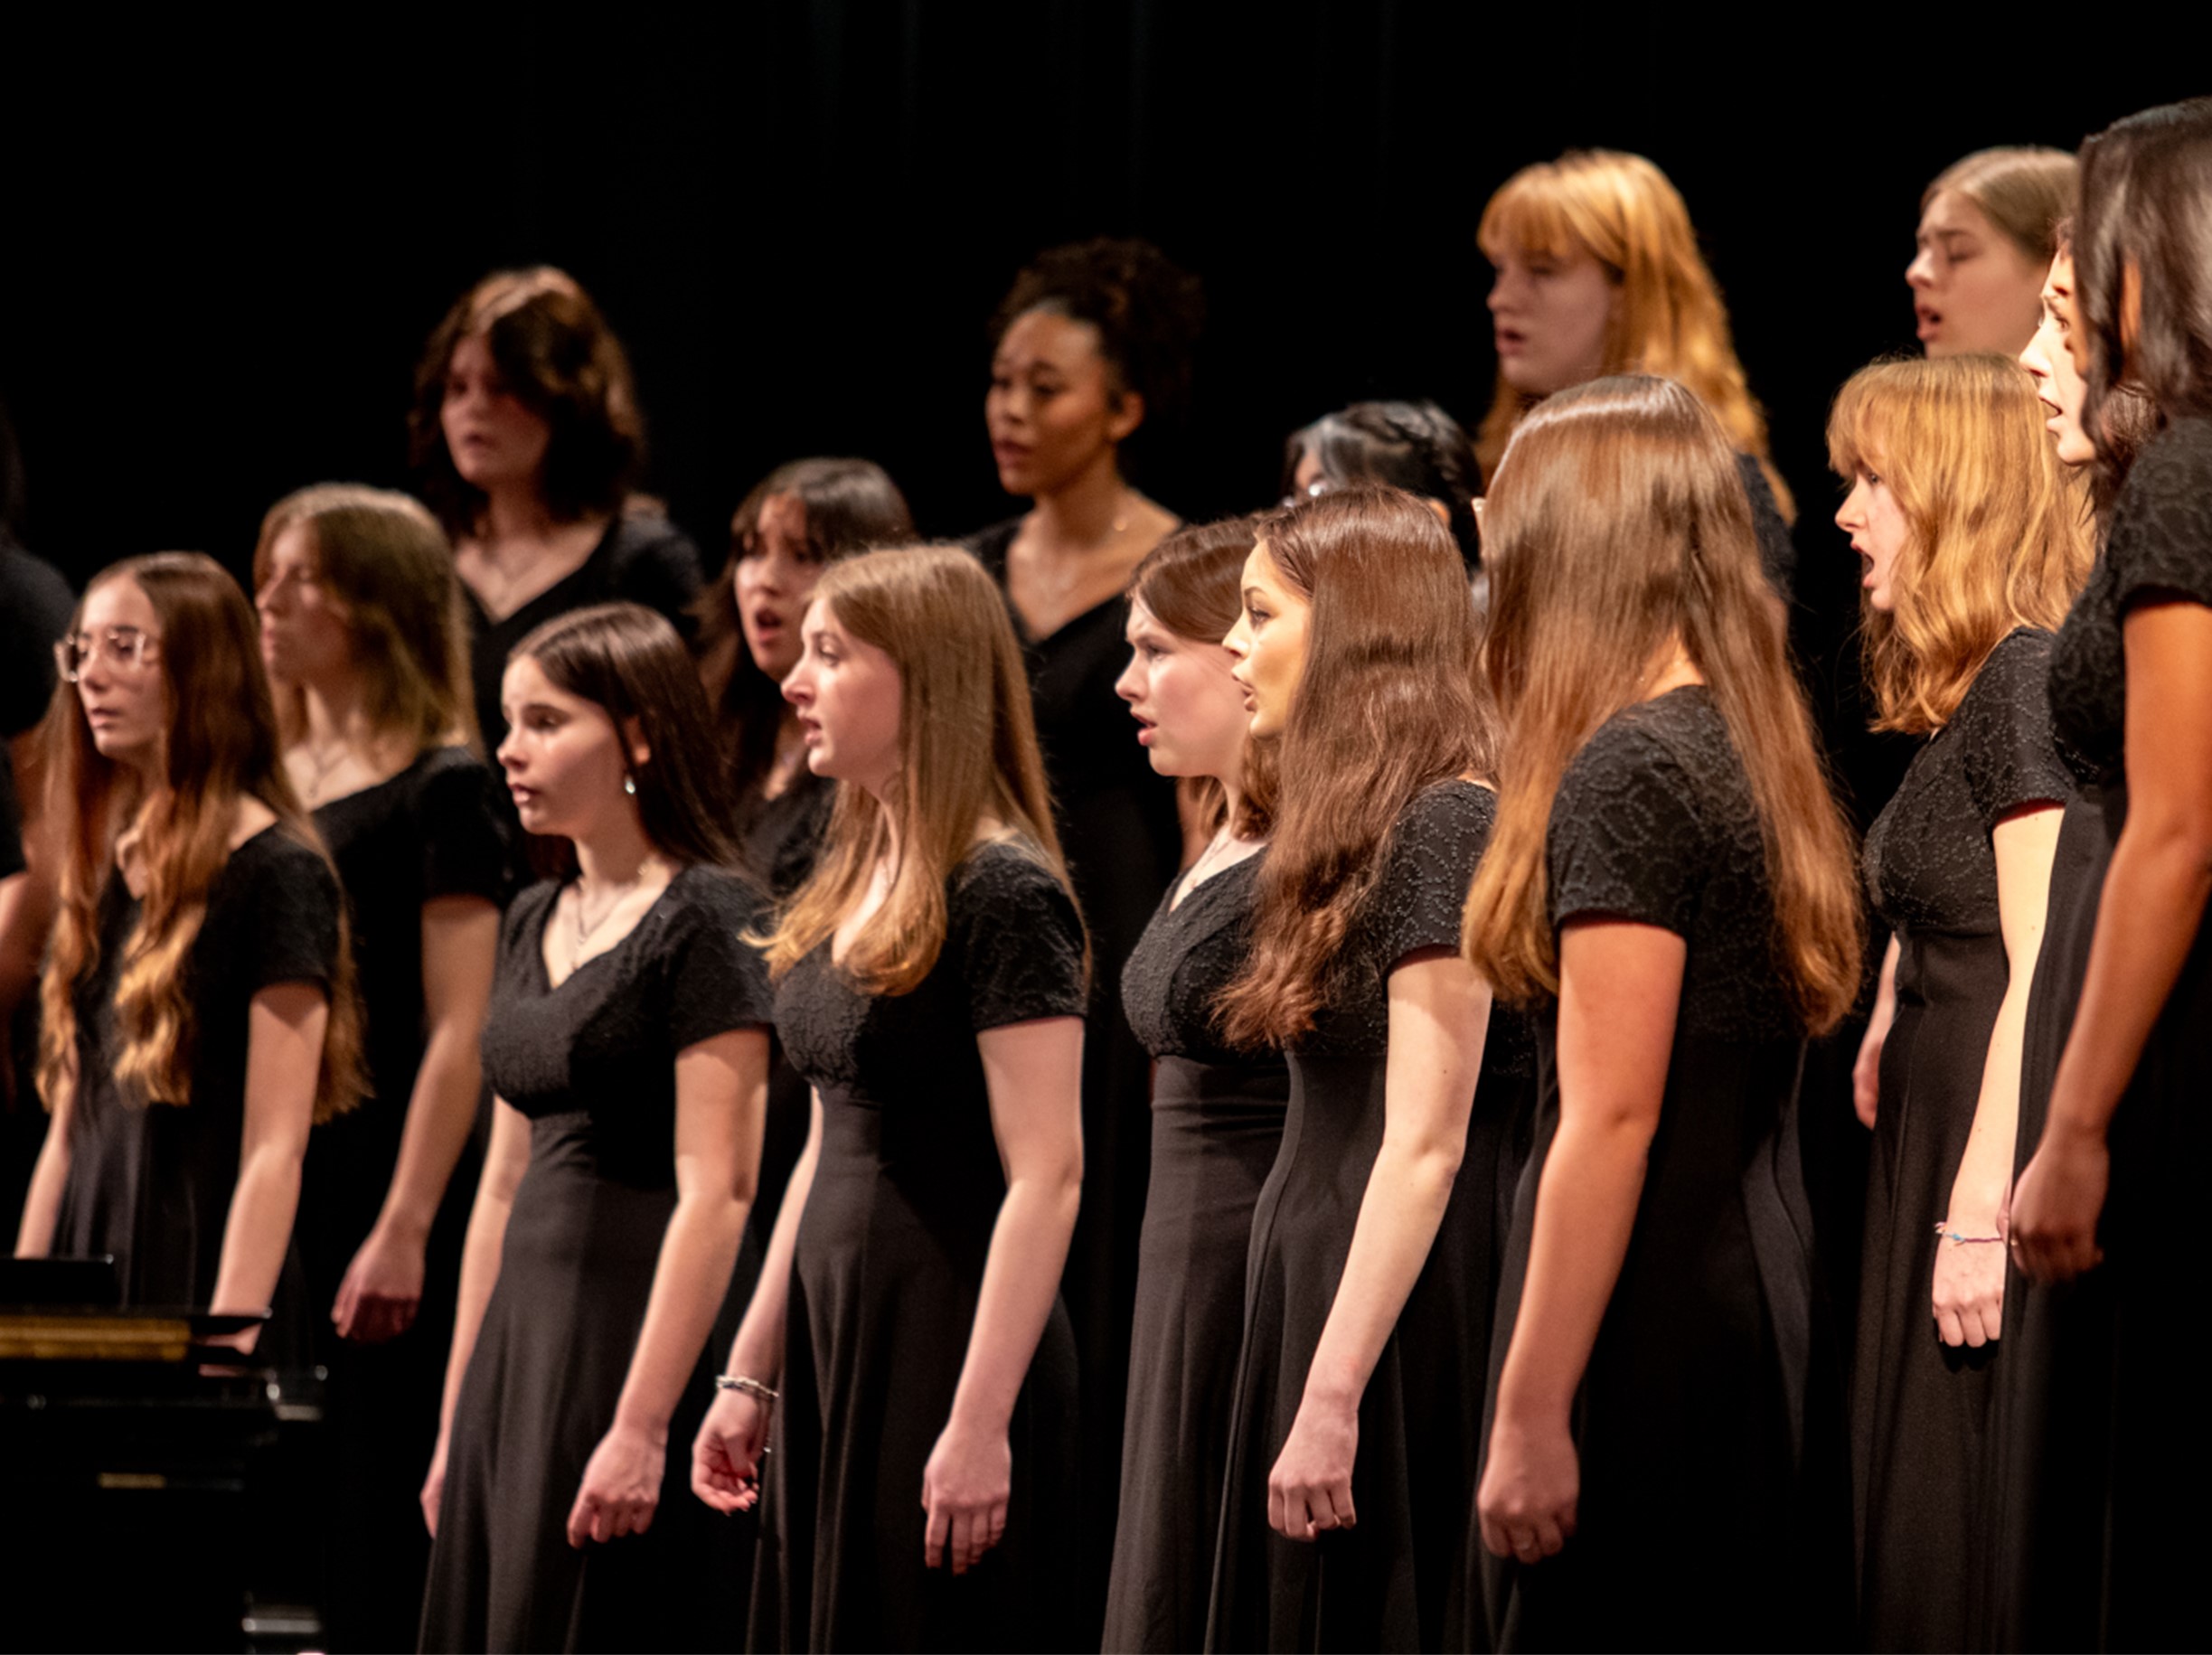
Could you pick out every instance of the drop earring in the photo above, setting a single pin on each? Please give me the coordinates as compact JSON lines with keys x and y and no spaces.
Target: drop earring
{"x":629,"y":786}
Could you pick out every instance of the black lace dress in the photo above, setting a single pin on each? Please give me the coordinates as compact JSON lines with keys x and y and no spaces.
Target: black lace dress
{"x":151,"y":1184}
{"x":890,"y":1262}
{"x":436,"y":829}
{"x":2105,"y":1431}
{"x":1919,"y":1407}
{"x":1387,"y":1584}
{"x":1119,"y":831}
{"x":1217,"y":1124}
{"x":592,"y":1064}
{"x":1709,"y":1423}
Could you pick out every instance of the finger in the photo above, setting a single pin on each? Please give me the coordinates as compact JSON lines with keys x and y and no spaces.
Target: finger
{"x":996,"y":1529}
{"x":1278,"y":1507}
{"x":1525,"y":1547}
{"x":1970,"y":1326}
{"x":965,"y":1548}
{"x":1494,"y":1539}
{"x":580,"y":1522}
{"x":1549,"y":1536}
{"x":933,"y":1537}
{"x":1947,"y":1326}
{"x":1339,"y":1496}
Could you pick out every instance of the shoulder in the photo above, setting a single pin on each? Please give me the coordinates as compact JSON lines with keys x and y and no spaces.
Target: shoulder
{"x":1448,"y":823}
{"x":2161,"y":526}
{"x":2011,"y":677}
{"x":989,"y":545}
{"x":1003,"y":875}
{"x":277,"y":856}
{"x":650,"y":550}
{"x":1664,"y":745}
{"x":526,"y":914}
{"x":451,"y":778}
{"x":715,"y":899}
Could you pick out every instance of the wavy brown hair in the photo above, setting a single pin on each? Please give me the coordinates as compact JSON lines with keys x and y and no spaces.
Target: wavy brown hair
{"x":1997,"y":533}
{"x":628,"y":662}
{"x":384,"y":556}
{"x":1385,"y":707}
{"x":1615,"y":528}
{"x":1624,"y":213}
{"x":555,"y":353}
{"x":1192,"y":582}
{"x":967,"y":751}
{"x":219,"y":747}
{"x":850,"y":506}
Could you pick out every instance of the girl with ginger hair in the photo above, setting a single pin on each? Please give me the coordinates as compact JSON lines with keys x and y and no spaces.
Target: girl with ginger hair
{"x":1974,"y":542}
{"x":1599,"y":272}
{"x":197,"y":1006}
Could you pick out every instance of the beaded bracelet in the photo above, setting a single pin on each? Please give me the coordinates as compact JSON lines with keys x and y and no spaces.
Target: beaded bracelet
{"x":1958,"y":1239}
{"x":741,"y":1382}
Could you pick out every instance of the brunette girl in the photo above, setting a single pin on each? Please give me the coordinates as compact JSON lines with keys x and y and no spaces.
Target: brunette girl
{"x":1354,"y":1435}
{"x":197,"y":1005}
{"x":930,"y":985}
{"x":1216,"y":1113}
{"x":527,"y":436}
{"x":1671,"y":880}
{"x":1973,"y":544}
{"x":1090,"y":363}
{"x":627,"y":1047}
{"x":1598,"y":272}
{"x":2111,"y":1186}
{"x":366,"y":645}
{"x":1988,"y":232}
{"x":1413,"y":445}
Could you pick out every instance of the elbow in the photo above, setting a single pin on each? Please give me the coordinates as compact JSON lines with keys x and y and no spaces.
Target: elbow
{"x":1426,"y":1166}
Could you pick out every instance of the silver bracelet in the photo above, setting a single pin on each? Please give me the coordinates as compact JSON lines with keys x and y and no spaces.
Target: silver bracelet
{"x":743,"y":1382}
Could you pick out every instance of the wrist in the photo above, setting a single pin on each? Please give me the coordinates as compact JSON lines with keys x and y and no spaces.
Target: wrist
{"x":631,"y":1421}
{"x":974,"y":1419}
{"x":2067,"y":1130}
{"x":1528,"y":1411}
{"x":401,"y":1228}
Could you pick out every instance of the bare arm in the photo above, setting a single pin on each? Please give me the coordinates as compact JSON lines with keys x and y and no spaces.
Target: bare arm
{"x":2153,"y":907}
{"x":726,"y":1455}
{"x":284,"y":1053}
{"x":1033,"y":1073}
{"x":384,"y":1284}
{"x":1439,"y":1013}
{"x":1620,"y":988}
{"x":505,"y":1160}
{"x":1970,"y":1276}
{"x":721,"y":1093}
{"x":42,"y":1207}
{"x":1867,"y":1073}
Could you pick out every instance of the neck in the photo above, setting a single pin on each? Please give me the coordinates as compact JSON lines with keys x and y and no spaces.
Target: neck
{"x":516,"y":512}
{"x":1235,"y":796}
{"x":616,"y":854}
{"x":334,"y":711}
{"x":1082,"y":510}
{"x":891,"y":840}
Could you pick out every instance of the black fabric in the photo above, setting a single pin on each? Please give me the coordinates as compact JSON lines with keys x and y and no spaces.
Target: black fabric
{"x":2119,"y":1424}
{"x":1217,"y":1124}
{"x":782,"y":835}
{"x":643,"y":560}
{"x":1119,"y":831}
{"x":151,"y":1184}
{"x":1777,"y":550}
{"x":1706,"y":1408}
{"x":592,"y":1064}
{"x":434,"y":829}
{"x":1388,"y":1582}
{"x":890,"y":1261}
{"x":1920,"y":1408}
{"x":35,"y":606}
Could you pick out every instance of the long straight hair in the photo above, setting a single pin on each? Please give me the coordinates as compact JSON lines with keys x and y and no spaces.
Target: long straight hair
{"x":384,"y":556}
{"x":219,"y":747}
{"x":967,"y":751}
{"x":1616,"y":525}
{"x":1385,"y":707}
{"x":1192,"y":582}
{"x":1997,"y":534}
{"x":1670,"y":320}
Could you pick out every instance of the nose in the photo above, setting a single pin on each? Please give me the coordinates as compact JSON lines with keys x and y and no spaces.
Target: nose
{"x":1131,"y":684}
{"x":504,"y":753}
{"x":796,"y":689}
{"x":1921,"y":272}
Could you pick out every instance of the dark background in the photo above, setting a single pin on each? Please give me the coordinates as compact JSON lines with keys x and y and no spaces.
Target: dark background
{"x":221,"y":254}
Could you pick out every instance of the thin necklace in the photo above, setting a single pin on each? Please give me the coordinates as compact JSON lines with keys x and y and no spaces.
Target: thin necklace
{"x":583,"y":931}
{"x":1222,"y":842}
{"x":319,"y":769}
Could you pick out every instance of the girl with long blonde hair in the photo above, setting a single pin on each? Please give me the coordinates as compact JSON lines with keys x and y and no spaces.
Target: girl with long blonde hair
{"x":366,"y":643}
{"x":1599,"y":272}
{"x":1670,"y":881}
{"x":1975,"y":542}
{"x":931,"y":985}
{"x":198,"y":1013}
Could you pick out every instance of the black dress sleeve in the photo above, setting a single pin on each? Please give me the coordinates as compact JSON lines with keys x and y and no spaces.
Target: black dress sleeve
{"x":716,"y":981}
{"x":656,"y":565}
{"x":292,"y":904}
{"x":1019,"y":938}
{"x":465,"y":851}
{"x":1430,"y":864}
{"x":2006,"y":747}
{"x":2161,"y":544}
{"x":1626,"y":838}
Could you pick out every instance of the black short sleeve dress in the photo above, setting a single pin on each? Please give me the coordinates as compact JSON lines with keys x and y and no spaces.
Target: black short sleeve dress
{"x":151,"y":1184}
{"x":1390,"y":1583}
{"x":1217,"y":1124}
{"x":435,"y":830}
{"x":2102,"y":1427}
{"x":889,"y":1263}
{"x":1920,"y":1407}
{"x":1704,"y":1426}
{"x":592,"y":1064}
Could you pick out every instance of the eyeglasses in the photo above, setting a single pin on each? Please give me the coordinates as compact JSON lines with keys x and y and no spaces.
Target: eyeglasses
{"x":128,"y":648}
